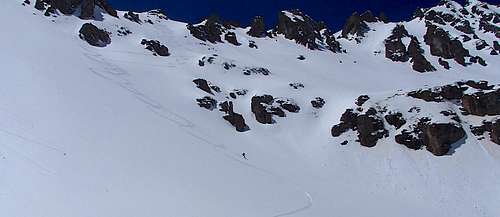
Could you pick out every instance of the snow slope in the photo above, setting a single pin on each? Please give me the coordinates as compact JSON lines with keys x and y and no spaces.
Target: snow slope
{"x":116,"y":131}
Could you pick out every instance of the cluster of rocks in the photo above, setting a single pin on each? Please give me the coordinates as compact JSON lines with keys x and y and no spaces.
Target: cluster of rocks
{"x":69,"y":7}
{"x":318,"y":102}
{"x":265,"y":106}
{"x":398,"y":52}
{"x":94,"y":36}
{"x":418,"y":130}
{"x":257,"y":27}
{"x":156,"y":47}
{"x":297,"y":26}
{"x":206,"y":86}
{"x":442,"y":45}
{"x":296,"y":85}
{"x":256,"y":71}
{"x":232,"y":117}
{"x":132,"y":17}
{"x":212,"y":29}
{"x":123,"y":31}
{"x":487,"y":126}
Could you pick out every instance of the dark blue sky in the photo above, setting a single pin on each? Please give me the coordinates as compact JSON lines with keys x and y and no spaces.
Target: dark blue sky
{"x":333,"y":12}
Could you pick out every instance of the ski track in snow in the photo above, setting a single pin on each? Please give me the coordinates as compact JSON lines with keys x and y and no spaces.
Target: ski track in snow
{"x":117,"y":75}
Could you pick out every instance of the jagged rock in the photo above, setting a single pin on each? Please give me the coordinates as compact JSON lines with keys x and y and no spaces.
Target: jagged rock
{"x":441,"y":45}
{"x":132,"y":17}
{"x":481,"y":103}
{"x":26,"y":2}
{"x":354,"y":26}
{"x":481,"y":85}
{"x":155,"y":47}
{"x":481,"y":44}
{"x":409,"y":140}
{"x":438,"y":138}
{"x":288,"y":105}
{"x":207,"y":102}
{"x":493,"y":52}
{"x":203,"y":85}
{"x":318,"y":102}
{"x":210,"y":31}
{"x":478,"y":59}
{"x":158,"y":13}
{"x":348,"y":120}
{"x":370,"y":130}
{"x":87,"y":9}
{"x":107,"y":7}
{"x":231,"y":38}
{"x":395,"y":119}
{"x":296,"y":85}
{"x":464,"y":26}
{"x":426,"y":95}
{"x":420,"y":63}
{"x":94,"y":36}
{"x":294,"y":25}
{"x":257,"y":28}
{"x":496,"y":45}
{"x":123,"y":31}
{"x":444,"y":63}
{"x":233,"y":118}
{"x":394,"y":47}
{"x":495,"y":132}
{"x":256,"y":70}
{"x":261,"y":114}
{"x":40,"y":5}
{"x":238,"y":92}
{"x":301,"y":57}
{"x":466,"y":38}
{"x":451,"y":92}
{"x":362,"y":99}
{"x":251,"y":44}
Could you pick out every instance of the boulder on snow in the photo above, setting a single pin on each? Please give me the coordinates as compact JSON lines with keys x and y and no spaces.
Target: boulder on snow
{"x":438,"y":138}
{"x":232,"y":117}
{"x":370,"y":129}
{"x":211,"y":30}
{"x":94,"y":36}
{"x":207,"y":102}
{"x":318,"y":102}
{"x":395,"y":119}
{"x":155,"y":47}
{"x":132,"y":17}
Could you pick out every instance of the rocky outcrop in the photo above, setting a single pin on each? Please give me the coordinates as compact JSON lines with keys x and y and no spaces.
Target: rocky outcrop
{"x":132,"y":17}
{"x":395,"y":119}
{"x":395,"y":50}
{"x":495,"y":132}
{"x":155,"y":47}
{"x":438,"y":138}
{"x":210,"y":30}
{"x":257,"y":28}
{"x":481,"y":103}
{"x":256,"y":71}
{"x":416,"y":53}
{"x":207,"y":103}
{"x":297,"y":26}
{"x":231,"y":38}
{"x":265,"y":106}
{"x":354,"y":26}
{"x":369,"y":126}
{"x":442,"y":45}
{"x":206,"y":86}
{"x":318,"y":102}
{"x":232,"y":117}
{"x":69,"y":7}
{"x":94,"y":36}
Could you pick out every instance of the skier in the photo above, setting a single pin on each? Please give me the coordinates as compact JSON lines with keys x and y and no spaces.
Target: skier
{"x":244,"y":155}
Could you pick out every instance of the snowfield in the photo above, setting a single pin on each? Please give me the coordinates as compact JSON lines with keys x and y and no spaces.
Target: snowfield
{"x":116,"y":131}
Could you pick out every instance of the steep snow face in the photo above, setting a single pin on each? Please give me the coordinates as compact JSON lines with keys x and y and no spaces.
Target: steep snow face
{"x":116,"y":131}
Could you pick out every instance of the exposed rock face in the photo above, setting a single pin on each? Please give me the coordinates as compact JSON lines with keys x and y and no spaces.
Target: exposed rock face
{"x":441,"y":45}
{"x":155,"y":47}
{"x":394,"y":47}
{"x":207,"y":102}
{"x":231,"y":38}
{"x":439,"y":137}
{"x":262,"y":115}
{"x":481,"y":103}
{"x":94,"y":36}
{"x":355,"y":25}
{"x":211,"y":30}
{"x":318,"y":103}
{"x":420,"y":63}
{"x":396,"y":50}
{"x":257,"y":28}
{"x":256,"y":71}
{"x":369,"y":126}
{"x":68,"y":7}
{"x":395,"y":119}
{"x":495,"y":132}
{"x":362,"y":99}
{"x":370,"y":129}
{"x":132,"y":17}
{"x":233,"y":118}
{"x":297,"y":26}
{"x":444,"y":63}
{"x":206,"y":86}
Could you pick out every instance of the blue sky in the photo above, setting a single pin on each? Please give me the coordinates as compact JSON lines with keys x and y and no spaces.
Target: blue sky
{"x":333,"y":12}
